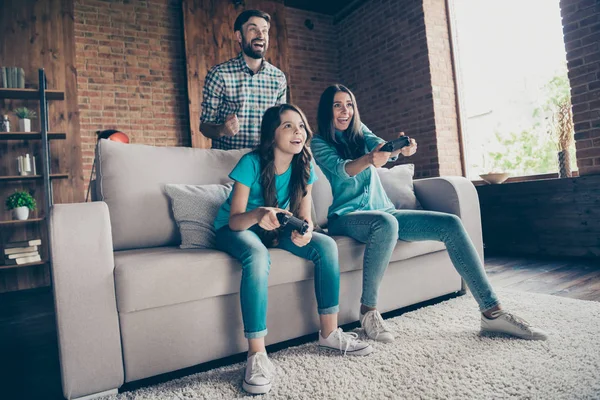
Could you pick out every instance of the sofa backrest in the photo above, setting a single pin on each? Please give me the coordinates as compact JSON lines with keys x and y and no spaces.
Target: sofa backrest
{"x":131,"y":180}
{"x":322,"y":197}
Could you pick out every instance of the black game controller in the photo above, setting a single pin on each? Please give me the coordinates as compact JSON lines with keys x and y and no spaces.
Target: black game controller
{"x":296,"y":223}
{"x":396,"y":144}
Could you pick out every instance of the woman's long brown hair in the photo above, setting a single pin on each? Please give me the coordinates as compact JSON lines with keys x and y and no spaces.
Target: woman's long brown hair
{"x":354,"y":146}
{"x":300,"y":166}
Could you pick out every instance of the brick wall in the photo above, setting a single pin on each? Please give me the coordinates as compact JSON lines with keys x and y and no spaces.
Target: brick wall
{"x":443,"y":89}
{"x":384,"y":61}
{"x":131,"y":67}
{"x":581,"y":27}
{"x":313,"y":58}
{"x":131,"y":72}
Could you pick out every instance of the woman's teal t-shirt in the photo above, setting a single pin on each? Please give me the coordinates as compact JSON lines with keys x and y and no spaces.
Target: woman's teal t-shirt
{"x":247,"y":172}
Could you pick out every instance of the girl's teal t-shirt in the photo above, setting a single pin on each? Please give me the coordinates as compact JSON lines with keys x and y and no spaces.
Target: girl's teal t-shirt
{"x":247,"y":172}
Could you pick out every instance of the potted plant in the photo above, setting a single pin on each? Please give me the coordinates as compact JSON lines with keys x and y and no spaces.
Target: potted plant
{"x":25,"y":116}
{"x":563,"y":125}
{"x":20,"y":203}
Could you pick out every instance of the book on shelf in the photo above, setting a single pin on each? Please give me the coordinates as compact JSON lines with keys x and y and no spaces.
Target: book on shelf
{"x":8,"y":77}
{"x":20,"y":78}
{"x":22,"y":260}
{"x":17,"y":250}
{"x":23,"y":243}
{"x":4,"y":78}
{"x":21,"y":255}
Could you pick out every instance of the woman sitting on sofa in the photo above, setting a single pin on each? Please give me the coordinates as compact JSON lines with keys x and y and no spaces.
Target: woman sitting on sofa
{"x":278,"y":175}
{"x":348,"y":153}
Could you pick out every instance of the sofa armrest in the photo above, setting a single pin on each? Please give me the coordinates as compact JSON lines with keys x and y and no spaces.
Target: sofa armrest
{"x":455,"y":195}
{"x":84,"y":298}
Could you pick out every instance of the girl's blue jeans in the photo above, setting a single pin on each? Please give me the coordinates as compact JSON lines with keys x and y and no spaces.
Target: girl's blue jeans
{"x":247,"y":247}
{"x":380,"y":231}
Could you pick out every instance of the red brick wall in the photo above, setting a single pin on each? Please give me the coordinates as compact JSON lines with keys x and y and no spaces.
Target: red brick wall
{"x":131,"y":72}
{"x":443,"y":89}
{"x":313,"y":58}
{"x":581,"y":27}
{"x":384,"y":61}
{"x":131,"y":67}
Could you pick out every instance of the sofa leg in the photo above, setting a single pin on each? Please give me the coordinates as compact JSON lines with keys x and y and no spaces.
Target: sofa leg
{"x":463,"y":287}
{"x":97,"y":395}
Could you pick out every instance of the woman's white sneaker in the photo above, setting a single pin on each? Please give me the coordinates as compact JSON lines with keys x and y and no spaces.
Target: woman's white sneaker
{"x":510,"y":324}
{"x":374,"y":326}
{"x":345,"y":342}
{"x":259,"y":374}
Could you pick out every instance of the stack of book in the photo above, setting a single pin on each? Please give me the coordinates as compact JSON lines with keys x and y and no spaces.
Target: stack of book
{"x":12,"y":77}
{"x":25,"y":252}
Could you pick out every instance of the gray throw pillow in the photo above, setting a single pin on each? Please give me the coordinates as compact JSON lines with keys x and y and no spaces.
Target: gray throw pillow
{"x":398,"y":184}
{"x":195,"y":208}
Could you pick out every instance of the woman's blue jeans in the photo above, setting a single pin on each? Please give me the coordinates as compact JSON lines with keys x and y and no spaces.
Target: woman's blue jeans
{"x":380,"y":231}
{"x":246,"y":247}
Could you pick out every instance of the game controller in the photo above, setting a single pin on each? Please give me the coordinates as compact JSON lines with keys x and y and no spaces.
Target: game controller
{"x":396,"y":144}
{"x":295,"y":223}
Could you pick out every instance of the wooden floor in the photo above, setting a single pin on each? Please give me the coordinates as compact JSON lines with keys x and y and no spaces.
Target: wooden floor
{"x":29,"y":367}
{"x":577,"y":279}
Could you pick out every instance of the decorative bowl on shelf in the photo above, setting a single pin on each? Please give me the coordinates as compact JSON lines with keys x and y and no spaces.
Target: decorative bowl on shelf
{"x":495,"y":178}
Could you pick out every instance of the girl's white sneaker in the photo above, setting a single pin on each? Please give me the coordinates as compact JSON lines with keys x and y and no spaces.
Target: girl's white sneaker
{"x":345,"y":343}
{"x":374,"y":326}
{"x":259,"y":374}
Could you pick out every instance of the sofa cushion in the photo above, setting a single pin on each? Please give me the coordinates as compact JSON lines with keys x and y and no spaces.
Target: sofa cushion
{"x":195,"y":208}
{"x":398,"y":185}
{"x":131,"y":180}
{"x":322,"y":197}
{"x":156,"y":277}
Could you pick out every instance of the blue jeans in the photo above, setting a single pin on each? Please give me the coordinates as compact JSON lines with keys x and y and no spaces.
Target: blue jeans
{"x":380,"y":231}
{"x":246,"y":247}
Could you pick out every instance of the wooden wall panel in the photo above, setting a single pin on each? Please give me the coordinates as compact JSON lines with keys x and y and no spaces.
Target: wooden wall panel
{"x":209,"y":40}
{"x":555,"y":217}
{"x":40,"y":34}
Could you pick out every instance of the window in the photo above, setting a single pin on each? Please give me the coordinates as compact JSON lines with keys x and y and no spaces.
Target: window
{"x":512,"y":85}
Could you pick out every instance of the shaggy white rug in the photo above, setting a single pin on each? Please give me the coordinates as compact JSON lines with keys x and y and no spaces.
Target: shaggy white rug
{"x":438,"y":354}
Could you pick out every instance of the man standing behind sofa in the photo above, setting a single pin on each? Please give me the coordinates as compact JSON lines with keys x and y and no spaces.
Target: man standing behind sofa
{"x":239,"y":91}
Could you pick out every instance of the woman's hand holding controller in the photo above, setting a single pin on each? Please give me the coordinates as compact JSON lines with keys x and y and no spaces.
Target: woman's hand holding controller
{"x":406,"y":151}
{"x":378,"y":158}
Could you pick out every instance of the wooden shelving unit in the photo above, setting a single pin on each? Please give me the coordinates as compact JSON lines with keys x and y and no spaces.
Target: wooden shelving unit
{"x":30,"y":94}
{"x":43,"y":95}
{"x":30,"y":135}
{"x":18,"y":178}
{"x":23,"y":222}
{"x":23,"y":265}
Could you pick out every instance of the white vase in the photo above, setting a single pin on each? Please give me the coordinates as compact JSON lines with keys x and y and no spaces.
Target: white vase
{"x":21,"y":213}
{"x":25,"y":125}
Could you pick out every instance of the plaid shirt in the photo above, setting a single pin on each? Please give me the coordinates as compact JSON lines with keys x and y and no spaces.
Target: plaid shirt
{"x":233,"y":88}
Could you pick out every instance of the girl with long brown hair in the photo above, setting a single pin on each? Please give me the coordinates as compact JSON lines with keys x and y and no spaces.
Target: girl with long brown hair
{"x":277,"y":178}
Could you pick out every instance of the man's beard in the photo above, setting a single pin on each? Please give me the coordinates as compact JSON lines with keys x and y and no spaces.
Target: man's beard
{"x":250,"y":52}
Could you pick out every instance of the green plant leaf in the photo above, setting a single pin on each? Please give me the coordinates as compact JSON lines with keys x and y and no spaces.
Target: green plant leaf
{"x":20,"y":199}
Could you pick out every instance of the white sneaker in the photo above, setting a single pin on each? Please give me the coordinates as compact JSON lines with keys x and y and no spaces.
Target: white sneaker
{"x":345,"y":342}
{"x":375,"y":328}
{"x":259,"y":373}
{"x":504,"y":322}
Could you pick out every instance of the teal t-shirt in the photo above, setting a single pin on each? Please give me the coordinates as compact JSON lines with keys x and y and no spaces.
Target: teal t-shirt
{"x":247,"y":172}
{"x":362,"y":192}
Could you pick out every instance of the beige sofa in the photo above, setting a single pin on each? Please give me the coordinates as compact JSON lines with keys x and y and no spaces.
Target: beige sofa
{"x":130,"y":304}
